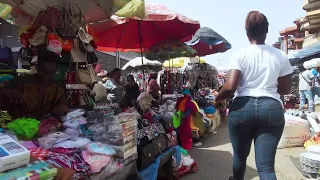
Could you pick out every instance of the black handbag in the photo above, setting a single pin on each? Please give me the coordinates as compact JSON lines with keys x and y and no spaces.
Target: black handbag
{"x":92,"y":58}
{"x":160,"y":144}
{"x":146,"y":156}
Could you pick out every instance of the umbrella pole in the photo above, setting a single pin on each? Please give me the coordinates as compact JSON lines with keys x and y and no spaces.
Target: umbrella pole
{"x":140,"y":41}
{"x":198,"y":47}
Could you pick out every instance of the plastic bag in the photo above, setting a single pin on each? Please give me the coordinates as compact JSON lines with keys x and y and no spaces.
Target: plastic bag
{"x":97,"y":129}
{"x":96,"y":161}
{"x":99,"y":148}
{"x":50,"y":140}
{"x":73,"y":143}
{"x":125,"y":117}
{"x":76,"y":113}
{"x":109,"y":170}
{"x":122,"y":126}
{"x":39,"y":37}
{"x":25,"y":127}
{"x":75,"y":122}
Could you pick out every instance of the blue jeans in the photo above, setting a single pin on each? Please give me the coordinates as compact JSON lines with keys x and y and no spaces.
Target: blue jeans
{"x":316,"y":91}
{"x":306,"y":94}
{"x":261,"y":120}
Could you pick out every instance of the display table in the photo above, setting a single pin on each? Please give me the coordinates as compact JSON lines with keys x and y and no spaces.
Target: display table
{"x":165,"y":171}
{"x":129,"y":172}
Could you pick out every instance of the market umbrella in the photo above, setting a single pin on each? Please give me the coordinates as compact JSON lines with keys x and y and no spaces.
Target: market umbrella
{"x":169,"y":49}
{"x":92,"y":10}
{"x":23,"y":13}
{"x":179,"y":62}
{"x":137,"y":64}
{"x":206,"y":41}
{"x":135,"y":34}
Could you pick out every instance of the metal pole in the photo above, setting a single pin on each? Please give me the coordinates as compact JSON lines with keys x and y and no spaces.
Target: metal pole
{"x":141,"y":53}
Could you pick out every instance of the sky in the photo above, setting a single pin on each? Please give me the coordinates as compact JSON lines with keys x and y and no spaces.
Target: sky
{"x":227,"y":17}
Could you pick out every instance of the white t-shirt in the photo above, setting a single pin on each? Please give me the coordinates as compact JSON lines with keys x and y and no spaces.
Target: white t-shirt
{"x":260,"y":66}
{"x":307,"y":76}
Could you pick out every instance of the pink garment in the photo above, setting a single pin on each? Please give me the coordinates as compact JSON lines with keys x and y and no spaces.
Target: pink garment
{"x":153,"y":86}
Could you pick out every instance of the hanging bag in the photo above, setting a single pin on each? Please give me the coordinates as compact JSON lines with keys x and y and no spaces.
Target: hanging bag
{"x":50,"y":18}
{"x":76,"y":53}
{"x":86,"y":75}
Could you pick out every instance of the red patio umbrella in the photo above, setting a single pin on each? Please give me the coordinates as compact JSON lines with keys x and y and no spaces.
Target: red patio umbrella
{"x":133,"y":34}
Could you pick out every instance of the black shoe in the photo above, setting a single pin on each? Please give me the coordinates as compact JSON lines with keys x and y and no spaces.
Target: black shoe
{"x":231,"y":178}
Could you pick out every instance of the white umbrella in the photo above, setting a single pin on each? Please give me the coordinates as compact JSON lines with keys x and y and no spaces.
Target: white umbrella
{"x":137,"y":62}
{"x":313,"y":63}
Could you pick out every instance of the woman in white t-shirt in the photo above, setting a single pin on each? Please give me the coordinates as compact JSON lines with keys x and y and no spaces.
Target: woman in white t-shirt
{"x":258,"y":75}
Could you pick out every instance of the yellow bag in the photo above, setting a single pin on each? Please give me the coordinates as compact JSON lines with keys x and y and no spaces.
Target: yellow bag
{"x":5,"y":10}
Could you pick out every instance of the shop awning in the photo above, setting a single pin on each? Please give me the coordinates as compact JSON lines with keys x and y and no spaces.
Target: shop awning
{"x":309,"y":51}
{"x":92,"y":10}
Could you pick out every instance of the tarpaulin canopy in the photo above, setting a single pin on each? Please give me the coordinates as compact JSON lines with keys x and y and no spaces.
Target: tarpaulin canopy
{"x":206,"y":41}
{"x":23,"y":12}
{"x":180,"y":62}
{"x":169,"y":49}
{"x":137,"y":63}
{"x":126,"y":34}
{"x":309,"y":51}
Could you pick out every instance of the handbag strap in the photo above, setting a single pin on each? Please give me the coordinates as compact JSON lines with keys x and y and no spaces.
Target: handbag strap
{"x":306,"y":79}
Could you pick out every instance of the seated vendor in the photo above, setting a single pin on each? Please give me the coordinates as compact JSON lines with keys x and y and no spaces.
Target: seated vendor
{"x":153,"y":86}
{"x":36,"y":95}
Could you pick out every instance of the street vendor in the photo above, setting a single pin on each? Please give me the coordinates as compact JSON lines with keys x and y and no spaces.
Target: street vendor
{"x":38,"y":94}
{"x":132,"y":90}
{"x":114,"y":86}
{"x":153,"y":86}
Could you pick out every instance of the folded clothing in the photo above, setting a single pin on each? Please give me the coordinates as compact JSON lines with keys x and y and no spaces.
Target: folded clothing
{"x":96,"y":161}
{"x":78,"y":142}
{"x":50,"y":140}
{"x":74,"y":161}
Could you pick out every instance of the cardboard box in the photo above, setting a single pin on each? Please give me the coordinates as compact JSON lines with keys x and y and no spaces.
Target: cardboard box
{"x":317,"y":107}
{"x":12,"y":154}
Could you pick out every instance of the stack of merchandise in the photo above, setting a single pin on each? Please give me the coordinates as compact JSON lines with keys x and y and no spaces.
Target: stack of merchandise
{"x":205,"y":99}
{"x":95,"y":144}
{"x":122,"y":136}
{"x":310,"y":162}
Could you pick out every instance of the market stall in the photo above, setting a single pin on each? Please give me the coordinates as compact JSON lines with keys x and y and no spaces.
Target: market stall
{"x":92,"y":140}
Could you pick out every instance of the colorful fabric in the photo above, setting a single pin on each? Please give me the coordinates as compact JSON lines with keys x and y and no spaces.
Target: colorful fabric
{"x":73,"y":161}
{"x":151,"y":172}
{"x":96,"y":161}
{"x":37,"y":170}
{"x":25,"y":127}
{"x":41,"y":153}
{"x":40,"y":97}
{"x":4,"y":118}
{"x":188,"y":108}
{"x":153,"y":86}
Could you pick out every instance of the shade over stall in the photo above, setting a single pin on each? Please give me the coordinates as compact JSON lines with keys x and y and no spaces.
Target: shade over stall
{"x":137,"y":64}
{"x":92,"y":10}
{"x":307,"y":53}
{"x":206,"y":41}
{"x":134,"y":34}
{"x":169,"y":49}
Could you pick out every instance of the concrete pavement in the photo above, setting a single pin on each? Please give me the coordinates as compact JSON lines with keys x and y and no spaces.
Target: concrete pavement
{"x":214,"y":159}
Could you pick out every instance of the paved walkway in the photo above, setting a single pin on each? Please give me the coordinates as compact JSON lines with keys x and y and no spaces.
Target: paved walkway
{"x":214,"y":160}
